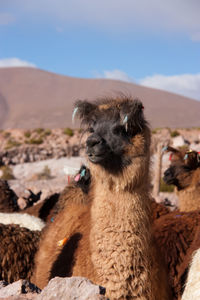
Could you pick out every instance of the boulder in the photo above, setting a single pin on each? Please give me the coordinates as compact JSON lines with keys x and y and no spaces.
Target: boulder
{"x":178,"y":141}
{"x":72,"y":288}
{"x":18,"y":289}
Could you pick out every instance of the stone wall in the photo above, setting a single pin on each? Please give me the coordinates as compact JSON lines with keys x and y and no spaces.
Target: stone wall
{"x":25,"y":154}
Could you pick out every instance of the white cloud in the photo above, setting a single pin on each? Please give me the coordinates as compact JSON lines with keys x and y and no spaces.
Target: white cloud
{"x":186,"y":84}
{"x":115,"y":74}
{"x":170,"y":16}
{"x":15,"y":62}
{"x":6,"y":18}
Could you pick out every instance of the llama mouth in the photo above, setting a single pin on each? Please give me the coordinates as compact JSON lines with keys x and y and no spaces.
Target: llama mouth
{"x":168,"y":180}
{"x":94,"y":158}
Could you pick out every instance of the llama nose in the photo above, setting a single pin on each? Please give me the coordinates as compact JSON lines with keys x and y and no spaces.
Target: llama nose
{"x":93,"y":141}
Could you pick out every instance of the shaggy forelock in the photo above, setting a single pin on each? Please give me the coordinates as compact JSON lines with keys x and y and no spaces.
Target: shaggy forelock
{"x":123,"y":110}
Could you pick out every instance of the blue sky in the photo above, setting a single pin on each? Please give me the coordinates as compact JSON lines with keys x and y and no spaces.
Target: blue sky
{"x":150,"y":42}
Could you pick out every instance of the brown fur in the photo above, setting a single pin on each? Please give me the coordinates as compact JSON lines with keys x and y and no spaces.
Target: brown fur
{"x":184,"y":266}
{"x":174,"y":234}
{"x":189,"y":197}
{"x":109,"y":239}
{"x":8,"y":198}
{"x":158,"y":210}
{"x":43,"y":210}
{"x":177,"y":155}
{"x":185,"y":227}
{"x":184,"y":173}
{"x":50,"y":207}
{"x":17,"y":250}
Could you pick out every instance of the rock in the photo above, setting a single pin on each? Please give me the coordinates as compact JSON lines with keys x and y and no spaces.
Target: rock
{"x":17,"y":288}
{"x":3,"y":284}
{"x":178,"y":141}
{"x":73,"y":288}
{"x":22,"y":203}
{"x":195,"y":146}
{"x":34,"y":153}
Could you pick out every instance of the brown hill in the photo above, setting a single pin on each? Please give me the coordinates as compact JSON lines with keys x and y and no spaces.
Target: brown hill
{"x":32,"y":98}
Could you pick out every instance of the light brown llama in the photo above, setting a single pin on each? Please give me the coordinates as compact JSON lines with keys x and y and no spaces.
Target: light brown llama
{"x":109,"y":239}
{"x":189,"y":197}
{"x":184,"y":173}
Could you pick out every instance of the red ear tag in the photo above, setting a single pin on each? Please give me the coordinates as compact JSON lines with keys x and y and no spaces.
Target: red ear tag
{"x":170,"y":157}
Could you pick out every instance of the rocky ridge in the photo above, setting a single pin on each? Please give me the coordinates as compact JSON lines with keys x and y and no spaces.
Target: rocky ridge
{"x":22,"y":146}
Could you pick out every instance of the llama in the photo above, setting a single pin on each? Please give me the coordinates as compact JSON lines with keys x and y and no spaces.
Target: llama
{"x":175,"y":234}
{"x":43,"y":210}
{"x":185,"y":175}
{"x":108,"y":239}
{"x":18,"y":247}
{"x":51,"y":206}
{"x":9,"y":201}
{"x":77,"y":189}
{"x":20,"y":234}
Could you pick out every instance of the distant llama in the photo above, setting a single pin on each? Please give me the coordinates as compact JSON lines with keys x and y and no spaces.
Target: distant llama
{"x":108,"y":238}
{"x":184,"y":173}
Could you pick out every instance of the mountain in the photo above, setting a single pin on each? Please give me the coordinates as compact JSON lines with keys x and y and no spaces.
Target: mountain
{"x":31,"y":98}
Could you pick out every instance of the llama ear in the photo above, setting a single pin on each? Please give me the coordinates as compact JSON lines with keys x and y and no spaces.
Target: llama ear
{"x":84,"y":111}
{"x":133,"y":117}
{"x":170,"y":149}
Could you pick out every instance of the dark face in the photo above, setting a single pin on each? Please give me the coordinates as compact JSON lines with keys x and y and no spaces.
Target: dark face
{"x":106,"y":144}
{"x":170,"y":176}
{"x":112,"y":124}
{"x":178,"y":175}
{"x":84,"y":179}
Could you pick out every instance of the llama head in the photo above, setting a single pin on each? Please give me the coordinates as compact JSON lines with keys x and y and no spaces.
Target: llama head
{"x":178,"y":176}
{"x":181,"y":170}
{"x":189,"y":158}
{"x":118,"y":131}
